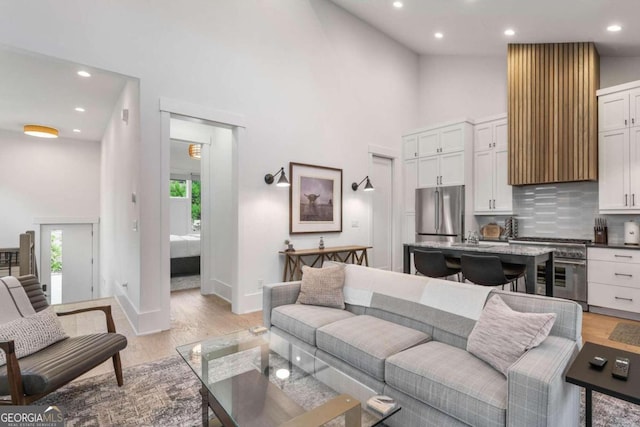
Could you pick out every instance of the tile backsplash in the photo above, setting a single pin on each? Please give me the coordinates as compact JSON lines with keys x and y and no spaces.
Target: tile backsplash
{"x":563,"y":210}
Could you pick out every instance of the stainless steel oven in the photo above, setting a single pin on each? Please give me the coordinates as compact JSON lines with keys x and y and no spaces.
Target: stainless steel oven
{"x":570,"y":259}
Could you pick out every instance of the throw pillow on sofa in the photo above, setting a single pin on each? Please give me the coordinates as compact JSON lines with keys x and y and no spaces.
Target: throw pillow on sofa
{"x":502,"y":335}
{"x":322,"y":286}
{"x":32,"y":333}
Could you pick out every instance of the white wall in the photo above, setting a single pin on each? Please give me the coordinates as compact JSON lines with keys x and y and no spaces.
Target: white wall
{"x":314,"y":83}
{"x":45,"y":178}
{"x":181,"y":162}
{"x":455,"y":87}
{"x":119,"y":242}
{"x":618,"y":70}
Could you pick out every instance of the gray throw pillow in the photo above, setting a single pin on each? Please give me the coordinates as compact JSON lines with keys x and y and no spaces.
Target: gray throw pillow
{"x":32,"y":333}
{"x":501,"y":335}
{"x":322,"y":286}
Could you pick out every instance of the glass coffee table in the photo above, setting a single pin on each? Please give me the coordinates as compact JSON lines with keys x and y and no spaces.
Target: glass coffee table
{"x":264,"y":380}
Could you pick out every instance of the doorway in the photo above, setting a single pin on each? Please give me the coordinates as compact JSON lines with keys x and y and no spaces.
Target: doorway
{"x":382,"y":212}
{"x":67,"y":254}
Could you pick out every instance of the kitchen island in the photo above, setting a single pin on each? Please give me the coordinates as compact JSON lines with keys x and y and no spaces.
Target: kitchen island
{"x":530,"y":256}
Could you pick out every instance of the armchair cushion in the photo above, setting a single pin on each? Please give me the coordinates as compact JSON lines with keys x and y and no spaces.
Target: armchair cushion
{"x":48,"y":369}
{"x":14,"y":302}
{"x":32,"y":333}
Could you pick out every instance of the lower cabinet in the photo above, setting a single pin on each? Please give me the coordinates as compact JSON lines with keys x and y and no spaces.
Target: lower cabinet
{"x":614,"y":279}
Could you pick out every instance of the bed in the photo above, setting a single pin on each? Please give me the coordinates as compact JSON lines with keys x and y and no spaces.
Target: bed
{"x":185,"y":254}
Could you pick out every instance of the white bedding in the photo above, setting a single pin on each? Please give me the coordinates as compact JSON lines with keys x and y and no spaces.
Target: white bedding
{"x":184,"y":246}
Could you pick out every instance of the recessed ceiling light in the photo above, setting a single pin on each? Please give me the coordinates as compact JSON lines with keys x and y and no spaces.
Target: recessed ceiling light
{"x":398,"y":4}
{"x":77,"y":131}
{"x":41,"y":131}
{"x":83,"y":73}
{"x":438,"y":35}
{"x":614,"y":28}
{"x":509,"y":32}
{"x":80,"y":109}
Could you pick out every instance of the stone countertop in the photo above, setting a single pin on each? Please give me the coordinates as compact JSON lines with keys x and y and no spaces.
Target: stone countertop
{"x":614,"y":246}
{"x":486,"y":247}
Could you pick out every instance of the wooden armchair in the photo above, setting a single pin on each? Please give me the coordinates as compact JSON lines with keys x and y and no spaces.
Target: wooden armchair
{"x":32,"y":377}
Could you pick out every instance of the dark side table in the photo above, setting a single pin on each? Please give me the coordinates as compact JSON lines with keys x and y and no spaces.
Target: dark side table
{"x":582,"y":374}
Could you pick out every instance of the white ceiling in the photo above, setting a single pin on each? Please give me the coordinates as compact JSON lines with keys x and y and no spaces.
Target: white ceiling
{"x":36,"y":89}
{"x":476,"y":27}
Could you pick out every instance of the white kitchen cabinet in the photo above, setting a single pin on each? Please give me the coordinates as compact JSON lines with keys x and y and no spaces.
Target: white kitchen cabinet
{"x":410,"y":184}
{"x":452,"y":138}
{"x":429,"y":143}
{"x":445,"y":169}
{"x":410,"y":144}
{"x":614,"y":279}
{"x":618,"y":110}
{"x":429,"y":171}
{"x":619,"y":169}
{"x":492,"y":193}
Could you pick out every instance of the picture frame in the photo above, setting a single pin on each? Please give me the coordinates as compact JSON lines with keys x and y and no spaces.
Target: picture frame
{"x":315,"y":199}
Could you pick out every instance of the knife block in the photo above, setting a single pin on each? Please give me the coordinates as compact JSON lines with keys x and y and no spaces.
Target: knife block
{"x":601,"y":235}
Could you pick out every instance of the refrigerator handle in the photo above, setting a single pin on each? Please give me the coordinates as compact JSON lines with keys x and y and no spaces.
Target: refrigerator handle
{"x":437,"y":204}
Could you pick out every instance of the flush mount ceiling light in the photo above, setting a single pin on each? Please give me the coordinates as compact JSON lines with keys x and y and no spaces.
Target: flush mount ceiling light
{"x":438,"y":35}
{"x":41,"y":131}
{"x":195,"y":151}
{"x":77,"y":131}
{"x":398,"y":4}
{"x":509,"y":32}
{"x":282,"y":182}
{"x":614,"y":28}
{"x":80,"y":109}
{"x":83,"y":73}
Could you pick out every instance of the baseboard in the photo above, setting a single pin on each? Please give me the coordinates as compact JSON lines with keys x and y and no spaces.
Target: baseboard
{"x":142,"y":323}
{"x":615,"y":313}
{"x":221,"y":289}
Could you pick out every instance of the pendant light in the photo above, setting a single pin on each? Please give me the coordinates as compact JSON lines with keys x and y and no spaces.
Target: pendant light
{"x":194,"y":151}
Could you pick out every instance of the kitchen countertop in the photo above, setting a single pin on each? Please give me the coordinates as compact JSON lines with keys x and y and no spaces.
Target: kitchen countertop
{"x":487,"y":247}
{"x":614,"y":246}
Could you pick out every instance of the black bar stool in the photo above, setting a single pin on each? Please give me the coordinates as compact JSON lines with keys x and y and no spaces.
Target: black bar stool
{"x":488,"y":270}
{"x":435,"y":264}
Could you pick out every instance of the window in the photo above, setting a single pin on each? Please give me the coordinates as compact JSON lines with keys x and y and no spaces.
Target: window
{"x":195,"y":205}
{"x":178,"y":188}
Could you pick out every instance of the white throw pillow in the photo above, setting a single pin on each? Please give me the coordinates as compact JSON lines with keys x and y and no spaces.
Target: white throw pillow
{"x":502,"y":335}
{"x":322,"y":286}
{"x":32,"y":333}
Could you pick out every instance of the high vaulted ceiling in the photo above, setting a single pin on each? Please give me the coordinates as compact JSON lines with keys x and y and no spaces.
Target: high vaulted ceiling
{"x":35,"y":89}
{"x":476,"y":27}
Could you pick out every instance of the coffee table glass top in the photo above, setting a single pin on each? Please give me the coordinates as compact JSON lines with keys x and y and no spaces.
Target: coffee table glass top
{"x":265,"y":380}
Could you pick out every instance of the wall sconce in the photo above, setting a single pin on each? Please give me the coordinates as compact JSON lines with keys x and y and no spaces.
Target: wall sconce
{"x":282,"y":182}
{"x":367,"y":186}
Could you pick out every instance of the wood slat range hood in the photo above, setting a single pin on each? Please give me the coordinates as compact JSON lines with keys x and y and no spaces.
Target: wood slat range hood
{"x":553,"y":112}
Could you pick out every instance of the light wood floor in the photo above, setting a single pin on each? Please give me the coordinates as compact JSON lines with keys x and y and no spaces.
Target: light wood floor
{"x":195,"y":317}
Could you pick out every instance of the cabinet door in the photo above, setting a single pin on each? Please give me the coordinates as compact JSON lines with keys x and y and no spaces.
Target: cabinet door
{"x":452,"y":139}
{"x":614,"y":170}
{"x":502,"y":192}
{"x":483,"y":137}
{"x":613,"y":111}
{"x":452,"y":169}
{"x":428,"y":172}
{"x":410,"y":147}
{"x":483,"y":182}
{"x":428,"y":143}
{"x":634,"y":168}
{"x":501,"y":135}
{"x":410,"y":184}
{"x":634,"y":103}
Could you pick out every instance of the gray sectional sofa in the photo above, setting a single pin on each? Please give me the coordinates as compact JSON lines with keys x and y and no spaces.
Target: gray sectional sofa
{"x":405,"y":336}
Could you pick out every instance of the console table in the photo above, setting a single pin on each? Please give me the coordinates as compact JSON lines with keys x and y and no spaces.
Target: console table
{"x":348,"y":254}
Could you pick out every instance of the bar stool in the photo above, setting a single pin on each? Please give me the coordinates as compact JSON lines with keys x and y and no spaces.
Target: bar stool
{"x":487,"y":270}
{"x":435,"y":264}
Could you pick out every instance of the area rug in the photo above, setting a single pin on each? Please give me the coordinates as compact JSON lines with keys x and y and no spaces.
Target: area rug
{"x":627,"y":333}
{"x":166,"y":393}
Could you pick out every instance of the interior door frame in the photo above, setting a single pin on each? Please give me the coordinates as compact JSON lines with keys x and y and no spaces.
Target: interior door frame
{"x":95,"y":230}
{"x":396,"y":219}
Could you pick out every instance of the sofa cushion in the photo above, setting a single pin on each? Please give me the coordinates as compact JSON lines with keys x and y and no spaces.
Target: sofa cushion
{"x":452,"y":381}
{"x":502,"y":335}
{"x":301,"y":321}
{"x":365,"y":342}
{"x":322,"y":286}
{"x":32,"y":333}
{"x":63,"y":361}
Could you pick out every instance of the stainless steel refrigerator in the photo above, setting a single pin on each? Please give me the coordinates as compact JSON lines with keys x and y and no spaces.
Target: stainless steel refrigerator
{"x":440,"y":214}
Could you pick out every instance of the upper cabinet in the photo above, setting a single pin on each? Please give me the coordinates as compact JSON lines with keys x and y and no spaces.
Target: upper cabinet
{"x":619,"y":149}
{"x":492,"y":192}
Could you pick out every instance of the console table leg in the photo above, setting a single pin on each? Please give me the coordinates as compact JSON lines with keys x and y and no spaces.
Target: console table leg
{"x":587,"y":407}
{"x":205,"y":406}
